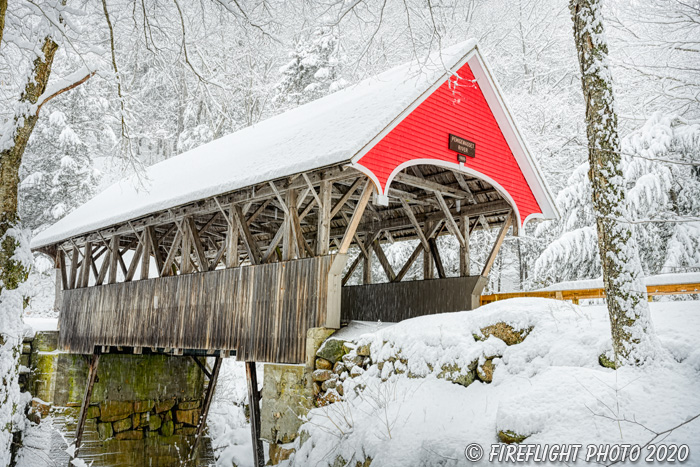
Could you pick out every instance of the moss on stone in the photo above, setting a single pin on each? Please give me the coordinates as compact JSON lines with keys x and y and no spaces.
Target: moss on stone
{"x":104,"y":430}
{"x":505,"y":332}
{"x":332,"y":350}
{"x":141,"y":406}
{"x":154,"y":422}
{"x":606,"y":362}
{"x":116,"y":410}
{"x":189,"y":405}
{"x":485,"y":371}
{"x":187,"y":417}
{"x":511,"y":437}
{"x":122,"y":425}
{"x":93,"y":411}
{"x":167,"y":428}
{"x":131,"y":434}
{"x":164,"y":405}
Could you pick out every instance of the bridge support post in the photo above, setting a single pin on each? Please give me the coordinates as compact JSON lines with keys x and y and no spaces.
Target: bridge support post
{"x":254,"y":404}
{"x":86,"y":402}
{"x":213,"y":377}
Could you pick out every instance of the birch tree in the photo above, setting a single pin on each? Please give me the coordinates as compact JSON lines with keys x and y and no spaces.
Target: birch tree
{"x":633,"y":339}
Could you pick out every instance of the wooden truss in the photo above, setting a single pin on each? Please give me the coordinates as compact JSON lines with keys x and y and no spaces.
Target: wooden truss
{"x":312,"y":214}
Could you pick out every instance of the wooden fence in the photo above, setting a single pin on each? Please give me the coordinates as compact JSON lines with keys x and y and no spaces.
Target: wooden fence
{"x":260,"y":312}
{"x":575,"y":295}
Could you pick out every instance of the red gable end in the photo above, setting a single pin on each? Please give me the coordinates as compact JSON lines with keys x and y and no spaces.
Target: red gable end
{"x":456,"y":107}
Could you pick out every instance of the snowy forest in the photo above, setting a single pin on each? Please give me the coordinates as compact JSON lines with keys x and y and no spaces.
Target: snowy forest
{"x":94,"y":91}
{"x":156,"y":79}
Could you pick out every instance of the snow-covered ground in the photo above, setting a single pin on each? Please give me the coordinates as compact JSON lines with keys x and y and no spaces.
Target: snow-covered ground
{"x":228,"y":428}
{"x":549,"y":388}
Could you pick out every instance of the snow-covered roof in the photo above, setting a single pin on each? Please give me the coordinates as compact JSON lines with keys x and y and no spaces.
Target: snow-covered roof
{"x":325,"y":132}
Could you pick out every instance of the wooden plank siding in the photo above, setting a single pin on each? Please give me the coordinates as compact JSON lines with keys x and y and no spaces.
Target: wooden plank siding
{"x":261,"y":312}
{"x":392,"y":302}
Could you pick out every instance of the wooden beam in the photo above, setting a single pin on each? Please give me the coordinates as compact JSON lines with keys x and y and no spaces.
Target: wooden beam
{"x":367,"y":268}
{"x":62,"y":268}
{"x":232,"y":240}
{"x":146,"y":253}
{"x":186,"y":265}
{"x":356,"y":216}
{"x":499,"y":207}
{"x":196,"y":241}
{"x":485,"y":225}
{"x":92,"y":374}
{"x":388,"y":270}
{"x":113,"y":259}
{"x":436,"y":256}
{"x":166,"y":269}
{"x":417,"y":182}
{"x":134,"y":262}
{"x":272,"y":247}
{"x":411,"y":259}
{"x":497,"y":245}
{"x":248,"y":240}
{"x":254,"y":405}
{"x":353,"y":266}
{"x":73,"y":268}
{"x":105,"y":266}
{"x":259,"y":211}
{"x":449,"y":220}
{"x":343,"y":199}
{"x":289,"y":236}
{"x":155,"y":249}
{"x":412,"y":218}
{"x":464,"y":266}
{"x":85,"y":269}
{"x":213,"y":378}
{"x":464,"y":186}
{"x":323,"y":229}
{"x":209,"y":205}
{"x":358,"y":242}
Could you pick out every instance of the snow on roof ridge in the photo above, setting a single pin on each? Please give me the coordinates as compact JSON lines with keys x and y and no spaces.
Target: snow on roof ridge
{"x":324,"y":132}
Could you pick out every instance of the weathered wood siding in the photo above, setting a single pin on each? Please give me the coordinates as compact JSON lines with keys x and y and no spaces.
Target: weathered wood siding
{"x":262,"y":312}
{"x":395,"y":301}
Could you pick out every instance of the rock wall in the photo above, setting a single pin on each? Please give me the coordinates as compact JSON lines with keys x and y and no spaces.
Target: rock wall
{"x":143,"y":412}
{"x":287,"y":396}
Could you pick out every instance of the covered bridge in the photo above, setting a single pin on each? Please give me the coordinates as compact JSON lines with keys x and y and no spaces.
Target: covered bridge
{"x":241,"y":245}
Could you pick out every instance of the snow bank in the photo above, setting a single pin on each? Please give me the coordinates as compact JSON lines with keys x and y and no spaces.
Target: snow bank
{"x":550,"y":387}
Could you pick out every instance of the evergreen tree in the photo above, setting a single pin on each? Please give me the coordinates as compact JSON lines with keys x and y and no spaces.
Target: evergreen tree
{"x":313,"y":69}
{"x":62,"y":174}
{"x":663,"y":185}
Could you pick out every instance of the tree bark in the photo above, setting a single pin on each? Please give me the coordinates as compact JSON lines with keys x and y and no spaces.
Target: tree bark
{"x":11,"y":272}
{"x":632,"y":333}
{"x":3,"y":10}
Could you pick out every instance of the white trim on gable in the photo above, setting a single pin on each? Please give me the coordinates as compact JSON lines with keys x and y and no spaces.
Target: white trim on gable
{"x":528,"y":166}
{"x":501,"y":113}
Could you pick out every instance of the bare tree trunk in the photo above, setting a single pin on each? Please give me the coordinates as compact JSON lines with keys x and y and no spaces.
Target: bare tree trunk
{"x":3,"y":10}
{"x":633,"y":338}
